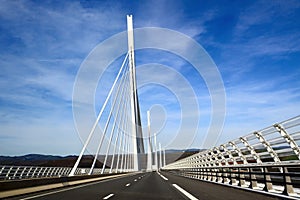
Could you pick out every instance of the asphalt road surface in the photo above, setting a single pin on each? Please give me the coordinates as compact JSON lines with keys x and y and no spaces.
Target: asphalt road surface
{"x":148,"y":186}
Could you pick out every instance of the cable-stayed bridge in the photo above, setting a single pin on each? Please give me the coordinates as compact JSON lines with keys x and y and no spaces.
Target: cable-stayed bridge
{"x":262,"y":165}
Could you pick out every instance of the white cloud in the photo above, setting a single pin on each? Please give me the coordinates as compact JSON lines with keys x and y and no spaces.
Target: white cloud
{"x":262,"y":12}
{"x":39,"y":66}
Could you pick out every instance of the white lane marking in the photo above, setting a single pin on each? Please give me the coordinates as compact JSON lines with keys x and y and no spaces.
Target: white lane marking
{"x":162,"y":176}
{"x":135,"y":180}
{"x":63,"y":190}
{"x":128,"y":184}
{"x":75,"y":187}
{"x":108,"y":196}
{"x":188,"y":195}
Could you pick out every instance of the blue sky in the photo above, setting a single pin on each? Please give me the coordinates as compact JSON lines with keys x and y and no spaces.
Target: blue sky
{"x":254,"y":44}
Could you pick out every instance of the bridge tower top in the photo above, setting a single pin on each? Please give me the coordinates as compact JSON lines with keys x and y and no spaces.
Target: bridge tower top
{"x":137,"y":136}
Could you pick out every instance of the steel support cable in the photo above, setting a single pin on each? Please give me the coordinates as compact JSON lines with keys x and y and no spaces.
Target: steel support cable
{"x":124,"y":157}
{"x":123,"y":131}
{"x":114,"y":124}
{"x":131,"y":159}
{"x":105,"y":128}
{"x":123,"y":147}
{"x":119,"y":152}
{"x":121,"y":121}
{"x":115,"y":147}
{"x":123,"y":150}
{"x":97,"y":120}
{"x":114,"y":151}
{"x":128,"y":156}
{"x":120,"y":147}
{"x":126,"y":164}
{"x":126,"y":153}
{"x":128,"y":129}
{"x":128,"y":122}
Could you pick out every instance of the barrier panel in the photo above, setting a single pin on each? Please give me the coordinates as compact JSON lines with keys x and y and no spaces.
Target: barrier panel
{"x":268,"y":159}
{"x":28,"y":172}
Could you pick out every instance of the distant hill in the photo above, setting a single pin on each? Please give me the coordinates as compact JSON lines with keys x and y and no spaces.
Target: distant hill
{"x":183,"y":150}
{"x":86,"y":161}
{"x":189,"y":152}
{"x":48,"y":161}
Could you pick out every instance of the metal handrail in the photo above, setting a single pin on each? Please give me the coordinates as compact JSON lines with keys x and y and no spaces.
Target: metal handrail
{"x":28,"y":172}
{"x":251,"y":160}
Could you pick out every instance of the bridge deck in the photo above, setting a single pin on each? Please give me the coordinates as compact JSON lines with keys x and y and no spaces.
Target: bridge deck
{"x":148,"y":186}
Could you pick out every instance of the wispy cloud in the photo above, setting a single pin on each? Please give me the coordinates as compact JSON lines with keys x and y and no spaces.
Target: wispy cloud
{"x":255,"y":46}
{"x":263,"y":12}
{"x":44,"y":47}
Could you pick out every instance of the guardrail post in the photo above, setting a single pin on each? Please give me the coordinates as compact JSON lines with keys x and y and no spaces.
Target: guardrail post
{"x":233,"y":177}
{"x":267,"y":180}
{"x":230,"y":176}
{"x":210,"y":174}
{"x":199,"y":173}
{"x":206,"y":177}
{"x":204,"y":174}
{"x":226,"y":180}
{"x":252,"y":179}
{"x":241,"y":178}
{"x":220,"y":175}
{"x":214,"y":175}
{"x":287,"y":183}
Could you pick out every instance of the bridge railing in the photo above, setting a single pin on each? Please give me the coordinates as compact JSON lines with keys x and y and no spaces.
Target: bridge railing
{"x":281,"y":179}
{"x":27,"y":172}
{"x":265,"y":159}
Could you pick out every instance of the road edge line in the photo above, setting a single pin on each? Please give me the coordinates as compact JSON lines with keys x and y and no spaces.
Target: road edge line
{"x":183,"y":191}
{"x":23,"y":191}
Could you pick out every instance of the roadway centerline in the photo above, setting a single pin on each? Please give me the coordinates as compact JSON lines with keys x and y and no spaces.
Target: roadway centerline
{"x":187,"y":194}
{"x":108,"y":196}
{"x":128,"y":184}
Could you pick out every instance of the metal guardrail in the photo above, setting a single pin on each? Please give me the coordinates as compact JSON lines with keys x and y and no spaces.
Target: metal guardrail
{"x":268,"y":159}
{"x":27,"y":172}
{"x":280,"y":179}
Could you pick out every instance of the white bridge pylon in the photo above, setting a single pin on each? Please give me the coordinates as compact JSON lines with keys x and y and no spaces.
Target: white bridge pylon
{"x":123,"y":123}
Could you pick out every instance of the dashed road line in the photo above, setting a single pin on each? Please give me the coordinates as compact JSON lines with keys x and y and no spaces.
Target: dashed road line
{"x":66,"y":189}
{"x":135,"y":180}
{"x":162,"y":176}
{"x":108,"y":196}
{"x":188,"y":195}
{"x":128,"y":184}
{"x":74,"y":187}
